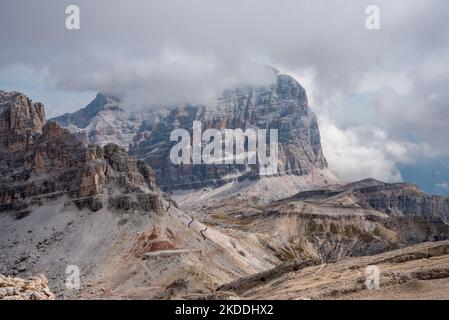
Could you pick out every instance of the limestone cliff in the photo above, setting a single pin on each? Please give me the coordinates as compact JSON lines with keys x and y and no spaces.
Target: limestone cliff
{"x":282,"y":106}
{"x":40,"y":160}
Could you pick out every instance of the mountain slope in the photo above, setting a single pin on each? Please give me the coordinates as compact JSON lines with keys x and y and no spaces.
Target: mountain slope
{"x":97,"y":208}
{"x":416,"y":272}
{"x":63,"y":204}
{"x":362,"y":218}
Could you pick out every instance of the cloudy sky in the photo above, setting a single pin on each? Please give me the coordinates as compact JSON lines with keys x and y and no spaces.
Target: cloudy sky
{"x":381,"y":96}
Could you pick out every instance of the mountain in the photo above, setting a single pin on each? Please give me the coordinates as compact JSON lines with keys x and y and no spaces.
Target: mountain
{"x":40,"y":160}
{"x":104,"y":120}
{"x":361,"y":218}
{"x":100,"y":210}
{"x":64,"y":204}
{"x":282,"y":105}
{"x":396,"y":199}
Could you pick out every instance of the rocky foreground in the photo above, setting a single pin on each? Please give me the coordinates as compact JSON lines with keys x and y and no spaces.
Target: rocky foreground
{"x":416,"y":272}
{"x":34,"y":288}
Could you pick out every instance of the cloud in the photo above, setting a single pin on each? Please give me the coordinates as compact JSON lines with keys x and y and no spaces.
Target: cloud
{"x":201,"y":42}
{"x":173,"y":76}
{"x":360,"y":152}
{"x":379,"y":95}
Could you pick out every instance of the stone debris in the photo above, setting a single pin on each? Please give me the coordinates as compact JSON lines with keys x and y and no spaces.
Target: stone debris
{"x":34,"y":288}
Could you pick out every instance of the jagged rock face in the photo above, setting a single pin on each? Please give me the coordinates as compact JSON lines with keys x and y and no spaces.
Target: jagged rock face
{"x":20,"y":120}
{"x":50,"y":162}
{"x":103,"y":121}
{"x":35,"y":288}
{"x":281,"y":106}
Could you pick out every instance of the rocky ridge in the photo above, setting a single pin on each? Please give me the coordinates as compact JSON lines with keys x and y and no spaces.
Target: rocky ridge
{"x":39,"y":160}
{"x":394,"y":199}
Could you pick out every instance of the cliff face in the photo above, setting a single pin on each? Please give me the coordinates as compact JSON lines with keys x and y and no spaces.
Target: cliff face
{"x":39,"y":160}
{"x":397,"y":199}
{"x":35,"y":288}
{"x":21,"y":120}
{"x":282,"y":106}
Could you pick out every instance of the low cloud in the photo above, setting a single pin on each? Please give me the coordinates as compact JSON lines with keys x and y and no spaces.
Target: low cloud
{"x":360,"y":152}
{"x":173,"y":76}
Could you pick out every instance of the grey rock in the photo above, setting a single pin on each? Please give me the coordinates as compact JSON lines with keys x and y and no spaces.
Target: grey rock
{"x":282,"y":105}
{"x":40,"y":161}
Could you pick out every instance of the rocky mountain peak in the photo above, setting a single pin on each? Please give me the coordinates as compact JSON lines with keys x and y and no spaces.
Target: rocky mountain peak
{"x":42,"y":162}
{"x":82,"y":118}
{"x":102,"y":121}
{"x":288,"y":88}
{"x":103,"y":101}
{"x":282,"y":105}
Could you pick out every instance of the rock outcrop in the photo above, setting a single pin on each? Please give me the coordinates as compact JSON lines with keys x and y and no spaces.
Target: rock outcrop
{"x":40,"y":160}
{"x":394,"y":199}
{"x":21,"y":120}
{"x":282,"y":106}
{"x":35,"y":288}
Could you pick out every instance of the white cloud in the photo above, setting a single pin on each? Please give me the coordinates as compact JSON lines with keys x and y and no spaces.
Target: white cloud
{"x":351,"y":158}
{"x":376,"y":80}
{"x":360,"y":152}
